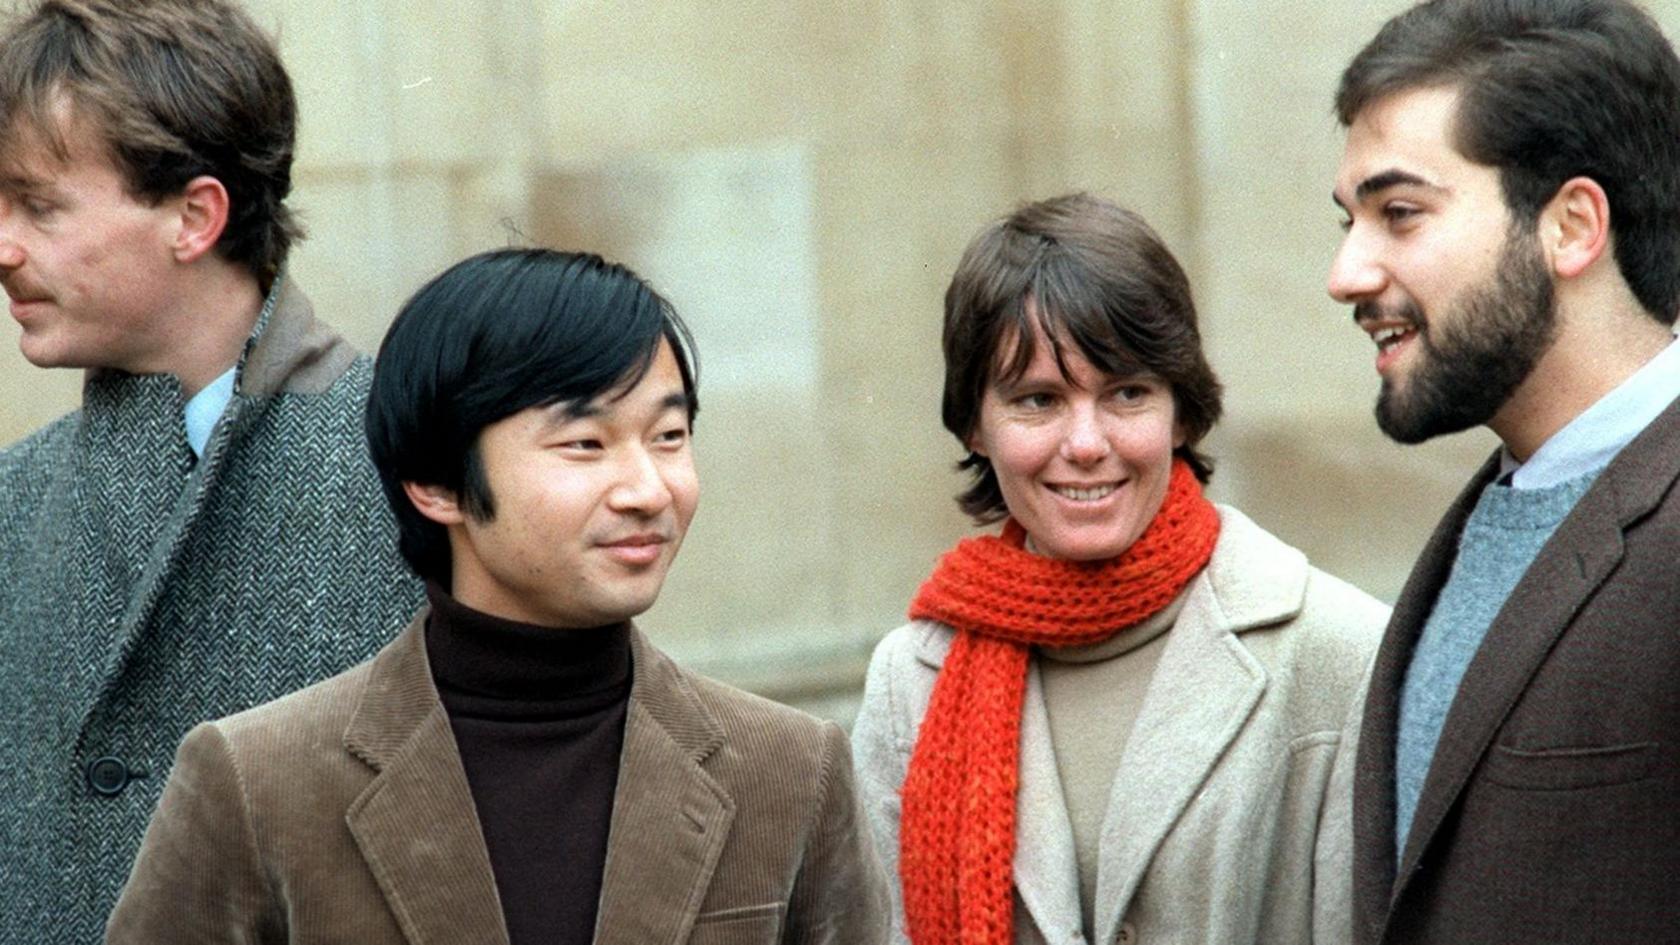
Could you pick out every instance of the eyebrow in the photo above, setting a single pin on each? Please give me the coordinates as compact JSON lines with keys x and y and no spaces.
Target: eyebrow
{"x":1384,"y":180}
{"x":566,"y":411}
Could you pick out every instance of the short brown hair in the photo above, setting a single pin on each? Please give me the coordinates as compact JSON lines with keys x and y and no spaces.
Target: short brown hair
{"x":1084,"y":271}
{"x":178,"y":89}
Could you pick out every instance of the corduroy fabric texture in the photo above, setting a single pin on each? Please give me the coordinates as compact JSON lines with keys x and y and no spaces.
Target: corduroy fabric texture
{"x":342,"y":813}
{"x":957,"y":837}
{"x":145,"y":592}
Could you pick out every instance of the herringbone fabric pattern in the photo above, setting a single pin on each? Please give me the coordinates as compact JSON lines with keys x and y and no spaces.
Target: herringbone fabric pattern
{"x":145,"y":593}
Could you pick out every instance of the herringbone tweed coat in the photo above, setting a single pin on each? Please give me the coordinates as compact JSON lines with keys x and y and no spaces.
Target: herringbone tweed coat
{"x":144,"y":592}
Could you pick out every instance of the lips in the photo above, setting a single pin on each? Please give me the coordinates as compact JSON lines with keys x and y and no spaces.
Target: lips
{"x":639,"y":549}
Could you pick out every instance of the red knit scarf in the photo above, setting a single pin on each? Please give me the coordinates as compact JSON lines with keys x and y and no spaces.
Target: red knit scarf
{"x":957,"y":829}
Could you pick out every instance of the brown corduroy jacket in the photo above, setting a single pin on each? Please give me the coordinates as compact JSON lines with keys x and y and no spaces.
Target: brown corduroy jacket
{"x":1551,"y":812}
{"x":341,"y":813}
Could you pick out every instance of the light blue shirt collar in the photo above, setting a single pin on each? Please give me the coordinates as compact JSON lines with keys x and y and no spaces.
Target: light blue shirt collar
{"x":1593,"y":439}
{"x":205,"y":408}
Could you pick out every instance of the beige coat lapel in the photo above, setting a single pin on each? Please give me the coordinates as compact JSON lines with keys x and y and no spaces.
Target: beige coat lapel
{"x":415,"y":824}
{"x":1202,"y":694}
{"x":1046,"y":867}
{"x":670,"y":818}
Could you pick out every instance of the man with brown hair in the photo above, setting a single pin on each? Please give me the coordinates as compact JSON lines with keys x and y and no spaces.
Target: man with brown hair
{"x":206,"y":532}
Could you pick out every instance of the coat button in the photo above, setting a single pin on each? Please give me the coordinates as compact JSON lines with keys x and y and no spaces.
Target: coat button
{"x":1127,"y":935}
{"x":108,"y":776}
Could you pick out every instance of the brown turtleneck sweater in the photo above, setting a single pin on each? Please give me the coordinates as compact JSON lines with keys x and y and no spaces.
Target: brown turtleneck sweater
{"x":538,"y":715}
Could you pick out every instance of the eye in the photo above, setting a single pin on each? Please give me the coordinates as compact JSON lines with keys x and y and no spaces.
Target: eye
{"x":1034,"y":400}
{"x":582,"y":443}
{"x":1398,"y":213}
{"x":1132,"y":392}
{"x":675,"y":436}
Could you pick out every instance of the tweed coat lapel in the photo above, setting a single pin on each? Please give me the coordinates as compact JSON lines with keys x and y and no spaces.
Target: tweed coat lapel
{"x":1202,"y":694}
{"x":670,"y":818}
{"x":415,"y":824}
{"x":1584,"y":550}
{"x":287,"y":349}
{"x":1373,"y":792}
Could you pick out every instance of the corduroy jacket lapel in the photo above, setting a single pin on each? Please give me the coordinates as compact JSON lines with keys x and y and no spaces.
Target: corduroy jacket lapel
{"x":670,"y":818}
{"x":1203,"y":692}
{"x":415,"y":824}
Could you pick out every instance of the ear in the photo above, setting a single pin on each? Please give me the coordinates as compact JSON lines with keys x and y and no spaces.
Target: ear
{"x":1179,"y":435}
{"x":974,"y":445}
{"x":1575,"y":226}
{"x":204,"y":215}
{"x":435,"y":502}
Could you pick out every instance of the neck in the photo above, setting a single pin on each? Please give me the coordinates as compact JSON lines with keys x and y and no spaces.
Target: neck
{"x":218,"y":309}
{"x":1589,"y":359}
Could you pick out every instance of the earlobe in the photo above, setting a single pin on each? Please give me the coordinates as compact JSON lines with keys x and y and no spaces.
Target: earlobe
{"x":204,"y":212}
{"x":1576,"y":226}
{"x":435,"y":502}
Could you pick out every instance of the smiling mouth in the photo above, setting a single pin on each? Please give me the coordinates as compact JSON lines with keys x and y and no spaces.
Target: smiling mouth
{"x":1085,"y":493}
{"x":1387,"y":338}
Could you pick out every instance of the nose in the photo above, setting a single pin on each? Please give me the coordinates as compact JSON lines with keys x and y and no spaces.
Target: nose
{"x":1086,"y":442}
{"x":1354,"y":273}
{"x":641,"y":488}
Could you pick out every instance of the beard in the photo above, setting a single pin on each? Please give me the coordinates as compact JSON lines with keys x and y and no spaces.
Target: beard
{"x":1480,"y":354}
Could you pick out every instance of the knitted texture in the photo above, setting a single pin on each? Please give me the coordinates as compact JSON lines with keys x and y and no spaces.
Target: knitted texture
{"x":1501,"y":538}
{"x":957,"y":833}
{"x":146,"y":593}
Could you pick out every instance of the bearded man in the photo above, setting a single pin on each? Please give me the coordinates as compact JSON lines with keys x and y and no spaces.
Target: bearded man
{"x":1511,"y":181}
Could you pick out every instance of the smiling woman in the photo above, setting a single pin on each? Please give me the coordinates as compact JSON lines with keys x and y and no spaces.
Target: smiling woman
{"x":1124,"y":652}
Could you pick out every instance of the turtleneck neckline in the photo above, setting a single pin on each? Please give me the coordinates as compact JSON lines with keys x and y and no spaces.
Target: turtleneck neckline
{"x":487,"y":666}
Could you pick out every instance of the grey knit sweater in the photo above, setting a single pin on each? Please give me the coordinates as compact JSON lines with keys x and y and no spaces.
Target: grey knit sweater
{"x":145,"y":592}
{"x":1501,"y":538}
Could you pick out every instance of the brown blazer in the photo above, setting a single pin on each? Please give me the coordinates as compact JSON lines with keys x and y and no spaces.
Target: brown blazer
{"x":1551,"y":812}
{"x":341,"y":813}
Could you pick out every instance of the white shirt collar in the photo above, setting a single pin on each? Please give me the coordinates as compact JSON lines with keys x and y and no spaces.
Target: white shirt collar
{"x":1590,"y":441}
{"x":205,"y":408}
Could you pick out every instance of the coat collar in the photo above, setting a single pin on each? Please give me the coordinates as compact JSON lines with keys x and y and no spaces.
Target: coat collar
{"x":416,"y":822}
{"x":1201,"y":695}
{"x":289,"y":351}
{"x":1569,"y":569}
{"x":669,"y":822}
{"x":670,"y":817}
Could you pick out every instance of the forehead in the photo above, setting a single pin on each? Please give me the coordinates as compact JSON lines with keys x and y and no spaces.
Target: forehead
{"x":56,"y":144}
{"x":1408,"y":133}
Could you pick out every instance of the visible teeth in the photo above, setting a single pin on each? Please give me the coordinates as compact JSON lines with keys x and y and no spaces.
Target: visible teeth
{"x":1083,"y":495}
{"x":1387,"y":336}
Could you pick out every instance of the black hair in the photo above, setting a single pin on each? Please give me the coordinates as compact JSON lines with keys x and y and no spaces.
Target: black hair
{"x":1550,"y":90}
{"x":492,"y":335}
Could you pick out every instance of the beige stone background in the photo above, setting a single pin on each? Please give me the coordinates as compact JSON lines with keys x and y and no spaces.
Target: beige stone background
{"x":800,"y":176}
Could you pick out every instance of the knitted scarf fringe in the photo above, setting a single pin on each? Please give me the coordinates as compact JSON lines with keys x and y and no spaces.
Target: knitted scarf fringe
{"x":957,"y":828}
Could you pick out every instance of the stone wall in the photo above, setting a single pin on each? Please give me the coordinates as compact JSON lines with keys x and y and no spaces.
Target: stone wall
{"x":800,"y":178}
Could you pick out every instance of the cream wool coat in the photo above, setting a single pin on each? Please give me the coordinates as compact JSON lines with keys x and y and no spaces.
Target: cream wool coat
{"x":1229,"y":820}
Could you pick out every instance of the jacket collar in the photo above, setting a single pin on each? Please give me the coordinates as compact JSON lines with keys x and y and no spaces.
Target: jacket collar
{"x":1580,"y":555}
{"x":415,"y":822}
{"x":289,"y":351}
{"x":1201,"y":695}
{"x":670,"y":817}
{"x":669,"y":822}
